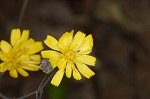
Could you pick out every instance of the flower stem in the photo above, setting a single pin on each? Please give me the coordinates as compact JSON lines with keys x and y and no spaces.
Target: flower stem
{"x":3,"y":96}
{"x":44,"y":83}
{"x":38,"y":93}
{"x":24,"y":6}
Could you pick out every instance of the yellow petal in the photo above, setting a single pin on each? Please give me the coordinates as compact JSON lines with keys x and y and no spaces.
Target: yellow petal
{"x":35,"y":57}
{"x":27,"y":44}
{"x":22,"y":72}
{"x":53,"y":56}
{"x":51,"y":42}
{"x":3,"y":67}
{"x":54,"y":61}
{"x":69,"y":69}
{"x":85,"y":70}
{"x":57,"y":77}
{"x":1,"y":54}
{"x":24,"y":57}
{"x":62,"y":63}
{"x":25,"y":35}
{"x":86,"y":59}
{"x":77,"y":41}
{"x":65,"y":41}
{"x":35,"y":47}
{"x":17,"y":46}
{"x":30,"y":62}
{"x":50,"y":54}
{"x":13,"y":73}
{"x":76,"y":73}
{"x":87,"y":45}
{"x":5,"y":46}
{"x":15,"y":36}
{"x":31,"y":67}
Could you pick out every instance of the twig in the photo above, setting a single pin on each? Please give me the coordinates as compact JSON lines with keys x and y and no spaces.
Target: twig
{"x":38,"y":93}
{"x":44,"y":83}
{"x":25,"y":2}
{"x":25,"y":96}
{"x":3,"y":96}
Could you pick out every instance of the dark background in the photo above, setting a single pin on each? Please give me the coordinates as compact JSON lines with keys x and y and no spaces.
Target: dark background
{"x":121,"y":32}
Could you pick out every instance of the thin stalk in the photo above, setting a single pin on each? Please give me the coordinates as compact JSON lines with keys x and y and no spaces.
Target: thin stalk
{"x":38,"y":93}
{"x":3,"y":96}
{"x":24,"y":6}
{"x":43,"y":84}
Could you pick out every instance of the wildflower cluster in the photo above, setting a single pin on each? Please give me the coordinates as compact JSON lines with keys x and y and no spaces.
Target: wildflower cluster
{"x":70,"y":54}
{"x":20,"y":54}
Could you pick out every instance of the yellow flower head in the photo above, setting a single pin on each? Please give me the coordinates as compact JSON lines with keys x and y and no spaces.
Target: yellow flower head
{"x":70,"y":55}
{"x":20,"y":55}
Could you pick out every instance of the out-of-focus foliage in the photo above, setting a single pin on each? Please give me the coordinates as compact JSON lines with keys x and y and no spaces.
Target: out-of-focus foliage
{"x":121,"y":44}
{"x":53,"y":92}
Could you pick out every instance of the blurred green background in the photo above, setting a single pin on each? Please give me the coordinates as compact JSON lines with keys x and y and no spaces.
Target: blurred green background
{"x":121,"y":32}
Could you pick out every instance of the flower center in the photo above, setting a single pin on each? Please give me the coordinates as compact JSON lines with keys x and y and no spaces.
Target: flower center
{"x":11,"y":58}
{"x":69,"y":55}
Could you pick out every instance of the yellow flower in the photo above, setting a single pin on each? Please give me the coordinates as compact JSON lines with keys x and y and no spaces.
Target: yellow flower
{"x":70,"y":55}
{"x":20,"y":55}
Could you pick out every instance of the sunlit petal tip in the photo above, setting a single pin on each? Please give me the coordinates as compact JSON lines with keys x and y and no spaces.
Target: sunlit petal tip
{"x":87,"y":45}
{"x":13,"y":73}
{"x":35,"y":47}
{"x":77,"y":40}
{"x":55,"y":84}
{"x":80,"y":33}
{"x":65,"y":41}
{"x":91,"y":75}
{"x":2,"y":67}
{"x":68,"y":71}
{"x":84,"y":70}
{"x":89,"y":39}
{"x":72,"y":31}
{"x":57,"y":78}
{"x":76,"y":74}
{"x":68,"y":76}
{"x":51,"y":42}
{"x":25,"y":35}
{"x":86,"y":59}
{"x":26,"y":75}
{"x":5,"y":46}
{"x":15,"y":36}
{"x":22,"y":72}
